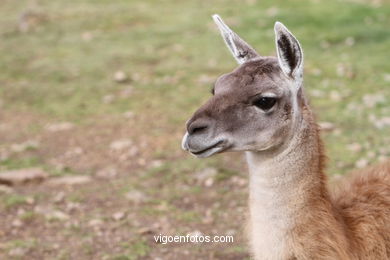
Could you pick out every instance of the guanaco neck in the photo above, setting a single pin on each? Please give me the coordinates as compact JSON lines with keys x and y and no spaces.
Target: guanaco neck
{"x":285,"y":189}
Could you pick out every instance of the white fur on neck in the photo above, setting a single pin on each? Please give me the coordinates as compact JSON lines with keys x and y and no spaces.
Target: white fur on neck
{"x":275,"y":197}
{"x":269,"y":216}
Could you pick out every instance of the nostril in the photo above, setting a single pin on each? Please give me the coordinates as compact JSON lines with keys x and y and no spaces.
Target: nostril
{"x":196,"y":128}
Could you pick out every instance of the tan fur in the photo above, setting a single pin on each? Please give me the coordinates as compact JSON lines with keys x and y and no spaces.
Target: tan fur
{"x":363,"y":202}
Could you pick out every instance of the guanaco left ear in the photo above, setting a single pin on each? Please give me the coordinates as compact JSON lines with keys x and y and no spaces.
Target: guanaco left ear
{"x":241,"y":51}
{"x":289,"y":51}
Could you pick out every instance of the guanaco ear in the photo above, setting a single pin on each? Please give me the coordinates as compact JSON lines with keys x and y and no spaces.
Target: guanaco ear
{"x":241,"y":51}
{"x":289,"y":51}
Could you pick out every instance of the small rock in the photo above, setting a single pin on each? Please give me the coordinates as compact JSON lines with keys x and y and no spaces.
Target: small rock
{"x":106,"y":173}
{"x":361,"y":163}
{"x":30,"y":200}
{"x":121,"y":144}
{"x":354,"y":147}
{"x":326,"y":126}
{"x":136,"y":196}
{"x":5,"y":189}
{"x":386,"y":77}
{"x":335,"y":95}
{"x":241,"y":182}
{"x":56,"y":127}
{"x":74,"y":151}
{"x":120,"y":76}
{"x":108,"y":99}
{"x":69,"y":180}
{"x":371,"y":100}
{"x":87,"y":36}
{"x":145,"y":230}
{"x":17,"y":223}
{"x":20,"y":211}
{"x":380,"y":123}
{"x":156,"y":163}
{"x":18,"y":251}
{"x":22,"y":176}
{"x":118,"y":216}
{"x":95,"y":222}
{"x":129,"y":114}
{"x":209,"y":182}
{"x":205,"y":174}
{"x":59,"y":197}
{"x":72,"y":206}
{"x":57,"y":215}
{"x":141,"y":161}
{"x":129,"y":153}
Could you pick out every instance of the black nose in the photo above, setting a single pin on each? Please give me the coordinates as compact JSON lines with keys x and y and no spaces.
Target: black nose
{"x":197,"y":127}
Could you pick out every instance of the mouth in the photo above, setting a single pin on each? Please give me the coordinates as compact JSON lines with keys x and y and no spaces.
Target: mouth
{"x":207,"y":149}
{"x":213,"y":149}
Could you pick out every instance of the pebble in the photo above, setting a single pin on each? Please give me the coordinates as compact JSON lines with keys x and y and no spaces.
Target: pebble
{"x":106,"y":173}
{"x":326,"y":126}
{"x":69,"y":180}
{"x":121,"y":144}
{"x":62,"y":126}
{"x":17,"y":223}
{"x":118,"y":216}
{"x":136,"y":196}
{"x":361,"y":163}
{"x":120,"y":76}
{"x":22,"y":176}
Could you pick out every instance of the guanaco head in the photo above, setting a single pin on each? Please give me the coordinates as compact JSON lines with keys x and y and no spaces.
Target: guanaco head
{"x":256,"y":106}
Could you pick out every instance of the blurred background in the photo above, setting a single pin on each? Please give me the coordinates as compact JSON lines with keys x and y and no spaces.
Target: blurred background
{"x":94,"y":96}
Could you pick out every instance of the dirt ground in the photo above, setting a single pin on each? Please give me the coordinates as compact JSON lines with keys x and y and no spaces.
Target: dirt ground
{"x":115,"y":215}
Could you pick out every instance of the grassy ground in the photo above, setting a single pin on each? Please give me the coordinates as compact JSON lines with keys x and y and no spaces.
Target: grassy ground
{"x":60,"y":62}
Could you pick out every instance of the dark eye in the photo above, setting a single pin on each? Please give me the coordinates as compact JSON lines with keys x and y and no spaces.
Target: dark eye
{"x":265,"y":103}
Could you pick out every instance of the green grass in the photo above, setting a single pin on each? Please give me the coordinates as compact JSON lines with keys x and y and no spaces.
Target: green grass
{"x":136,"y":251}
{"x":14,"y":200}
{"x":53,"y":70}
{"x":19,"y":163}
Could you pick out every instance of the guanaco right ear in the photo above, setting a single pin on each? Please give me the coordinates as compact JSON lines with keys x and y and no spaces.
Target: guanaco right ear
{"x":241,"y":51}
{"x":289,"y":51}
